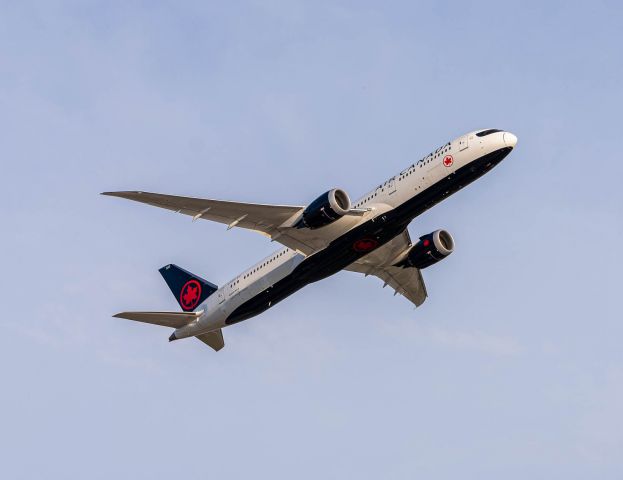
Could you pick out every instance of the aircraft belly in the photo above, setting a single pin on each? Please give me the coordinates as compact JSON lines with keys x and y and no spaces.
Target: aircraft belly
{"x":343,"y":251}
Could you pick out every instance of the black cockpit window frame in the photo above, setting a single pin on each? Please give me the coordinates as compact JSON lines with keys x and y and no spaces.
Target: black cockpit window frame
{"x":484,"y":133}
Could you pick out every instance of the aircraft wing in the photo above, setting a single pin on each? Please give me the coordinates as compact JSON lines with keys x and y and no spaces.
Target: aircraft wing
{"x":407,"y":282}
{"x":270,"y":220}
{"x":274,"y":221}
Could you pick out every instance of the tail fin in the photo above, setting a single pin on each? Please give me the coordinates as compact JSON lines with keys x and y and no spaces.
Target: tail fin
{"x":189,"y":290}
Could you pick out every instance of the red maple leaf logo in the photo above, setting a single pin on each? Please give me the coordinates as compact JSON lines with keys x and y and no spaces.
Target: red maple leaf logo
{"x":190,"y":294}
{"x":448,"y":160}
{"x":365,"y":244}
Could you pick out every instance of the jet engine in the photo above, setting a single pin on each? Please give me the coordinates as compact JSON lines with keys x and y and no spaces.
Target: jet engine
{"x":326,"y":209}
{"x":431,"y":248}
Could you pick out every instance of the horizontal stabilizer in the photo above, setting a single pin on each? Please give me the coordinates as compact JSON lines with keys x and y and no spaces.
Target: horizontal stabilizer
{"x":213,"y":339}
{"x":165,"y":319}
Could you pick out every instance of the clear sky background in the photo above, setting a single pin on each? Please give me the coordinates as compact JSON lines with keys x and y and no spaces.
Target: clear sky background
{"x":512,"y":369}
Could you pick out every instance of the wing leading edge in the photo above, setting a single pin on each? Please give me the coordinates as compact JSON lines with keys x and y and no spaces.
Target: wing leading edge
{"x":253,"y":216}
{"x":274,"y":221}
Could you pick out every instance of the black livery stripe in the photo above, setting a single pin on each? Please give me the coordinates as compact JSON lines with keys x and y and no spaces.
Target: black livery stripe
{"x":340,"y":252}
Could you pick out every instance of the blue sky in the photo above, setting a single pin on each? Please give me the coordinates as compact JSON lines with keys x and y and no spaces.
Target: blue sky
{"x":512,"y":368}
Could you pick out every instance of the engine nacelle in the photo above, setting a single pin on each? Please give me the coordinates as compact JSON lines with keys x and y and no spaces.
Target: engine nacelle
{"x":429,"y":250}
{"x":326,"y":209}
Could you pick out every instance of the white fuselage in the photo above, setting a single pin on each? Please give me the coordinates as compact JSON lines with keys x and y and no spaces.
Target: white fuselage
{"x":392,"y":193}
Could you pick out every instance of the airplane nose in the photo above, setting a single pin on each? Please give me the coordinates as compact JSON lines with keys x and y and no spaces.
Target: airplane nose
{"x":510,"y":140}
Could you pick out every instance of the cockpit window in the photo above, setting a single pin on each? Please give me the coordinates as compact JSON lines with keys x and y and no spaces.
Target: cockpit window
{"x":484,"y":133}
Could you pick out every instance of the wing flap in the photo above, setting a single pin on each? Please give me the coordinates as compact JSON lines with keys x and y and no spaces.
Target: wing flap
{"x":407,"y":282}
{"x":164,"y":319}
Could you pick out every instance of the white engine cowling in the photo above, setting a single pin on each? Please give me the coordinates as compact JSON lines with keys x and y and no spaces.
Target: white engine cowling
{"x":430,"y":249}
{"x":326,"y":209}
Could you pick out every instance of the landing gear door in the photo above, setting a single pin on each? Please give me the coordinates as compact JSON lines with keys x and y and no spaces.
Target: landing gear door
{"x":463,"y":143}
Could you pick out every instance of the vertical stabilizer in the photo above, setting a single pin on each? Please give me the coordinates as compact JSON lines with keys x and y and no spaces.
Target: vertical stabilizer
{"x":188,"y":289}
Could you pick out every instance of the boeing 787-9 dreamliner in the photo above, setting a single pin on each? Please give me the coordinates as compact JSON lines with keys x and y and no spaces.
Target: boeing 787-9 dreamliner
{"x":331,"y":234}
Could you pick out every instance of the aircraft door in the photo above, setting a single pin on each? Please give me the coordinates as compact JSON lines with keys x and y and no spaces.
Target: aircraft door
{"x":463,"y":143}
{"x":220,"y":295}
{"x":391,"y":185}
{"x":232,"y":288}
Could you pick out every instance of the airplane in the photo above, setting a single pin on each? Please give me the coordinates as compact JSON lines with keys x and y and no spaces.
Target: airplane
{"x":330,"y":234}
